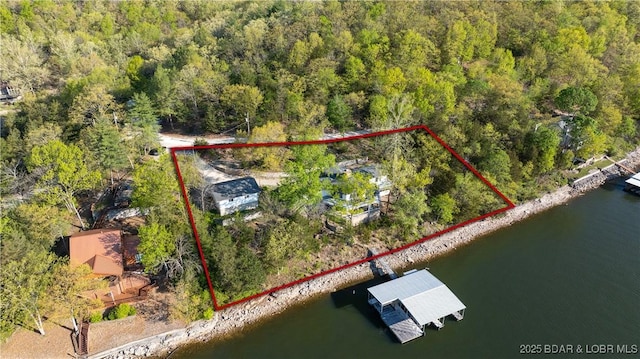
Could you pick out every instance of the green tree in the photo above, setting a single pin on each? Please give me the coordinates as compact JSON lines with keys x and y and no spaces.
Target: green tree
{"x":405,"y":175}
{"x":141,"y":112}
{"x":24,"y":290}
{"x":576,"y":100}
{"x":339,"y":113}
{"x":155,"y":186}
{"x":250,"y":270}
{"x":242,"y":99}
{"x":414,"y":51}
{"x":106,"y":142}
{"x":134,"y":71}
{"x":474,"y":198}
{"x":444,"y":207}
{"x":164,"y":95}
{"x":434,"y":97}
{"x":408,"y":213}
{"x":157,"y":246}
{"x":63,"y":173}
{"x":287,"y":239}
{"x":586,"y":139}
{"x":65,"y":293}
{"x":269,"y":158}
{"x":235,"y":268}
{"x":498,"y":164}
{"x":303,"y":186}
{"x":544,"y":144}
{"x":222,"y":252}
{"x":350,"y":190}
{"x":145,"y":123}
{"x":93,"y":103}
{"x":31,"y":227}
{"x":628,"y":129}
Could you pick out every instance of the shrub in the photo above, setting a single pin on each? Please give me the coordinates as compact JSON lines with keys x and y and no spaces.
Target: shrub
{"x":208,"y":313}
{"x":95,"y":317}
{"x":121,"y":311}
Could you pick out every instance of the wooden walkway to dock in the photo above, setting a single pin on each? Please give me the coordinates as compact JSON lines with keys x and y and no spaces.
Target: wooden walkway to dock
{"x":619,"y":165}
{"x":383,"y":267}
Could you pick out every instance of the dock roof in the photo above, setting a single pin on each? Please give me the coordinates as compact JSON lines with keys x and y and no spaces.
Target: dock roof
{"x":424,"y":296}
{"x":434,"y":304}
{"x":405,"y":287}
{"x":635,"y":180}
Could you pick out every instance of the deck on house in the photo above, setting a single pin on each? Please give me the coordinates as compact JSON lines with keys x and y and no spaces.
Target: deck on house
{"x":401,"y":326}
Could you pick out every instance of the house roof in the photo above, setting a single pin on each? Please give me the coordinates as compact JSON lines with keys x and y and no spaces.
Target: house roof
{"x":101,"y":249}
{"x":105,"y":266}
{"x":234,"y":188}
{"x":371,"y":170}
{"x":424,"y":296}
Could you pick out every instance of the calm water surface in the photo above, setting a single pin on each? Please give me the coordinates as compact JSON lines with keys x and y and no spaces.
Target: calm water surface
{"x":570,"y":275}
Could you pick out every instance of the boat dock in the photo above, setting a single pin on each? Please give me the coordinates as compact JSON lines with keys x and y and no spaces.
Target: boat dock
{"x":633,"y":184}
{"x":408,"y":304}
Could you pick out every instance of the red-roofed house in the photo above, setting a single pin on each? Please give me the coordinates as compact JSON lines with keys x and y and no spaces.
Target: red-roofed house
{"x":104,"y":250}
{"x":101,"y":249}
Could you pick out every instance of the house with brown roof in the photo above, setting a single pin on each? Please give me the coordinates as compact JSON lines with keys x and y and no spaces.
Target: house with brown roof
{"x":110,"y":254}
{"x":101,"y":249}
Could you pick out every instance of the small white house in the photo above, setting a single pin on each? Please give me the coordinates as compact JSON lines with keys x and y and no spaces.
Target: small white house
{"x":362,"y":212}
{"x":236,"y":195}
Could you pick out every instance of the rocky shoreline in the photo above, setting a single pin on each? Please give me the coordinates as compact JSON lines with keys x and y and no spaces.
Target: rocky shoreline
{"x":231,"y":320}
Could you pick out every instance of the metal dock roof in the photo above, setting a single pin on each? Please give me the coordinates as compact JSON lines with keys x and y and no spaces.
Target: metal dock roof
{"x":424,"y":296}
{"x":405,"y":286}
{"x":635,"y":180}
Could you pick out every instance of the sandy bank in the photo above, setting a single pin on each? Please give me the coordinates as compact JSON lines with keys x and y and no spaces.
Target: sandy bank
{"x":232,"y":320}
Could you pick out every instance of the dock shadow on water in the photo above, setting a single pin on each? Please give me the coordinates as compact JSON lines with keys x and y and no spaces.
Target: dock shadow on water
{"x":356,"y":296}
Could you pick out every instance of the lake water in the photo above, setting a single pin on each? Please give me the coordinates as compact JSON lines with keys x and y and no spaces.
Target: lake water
{"x":568,"y":276}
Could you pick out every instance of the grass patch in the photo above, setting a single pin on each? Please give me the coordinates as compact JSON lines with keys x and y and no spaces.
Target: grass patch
{"x":587,"y":169}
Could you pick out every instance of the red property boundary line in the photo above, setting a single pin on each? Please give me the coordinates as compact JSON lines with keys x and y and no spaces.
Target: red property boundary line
{"x":173,"y":150}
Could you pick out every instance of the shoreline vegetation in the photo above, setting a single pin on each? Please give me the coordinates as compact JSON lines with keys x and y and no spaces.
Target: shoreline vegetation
{"x":231,"y":321}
